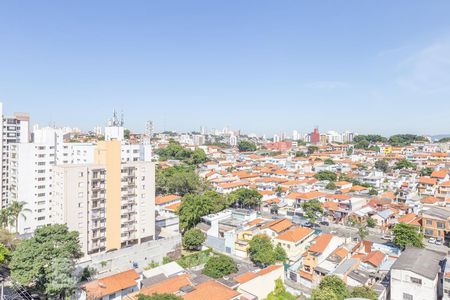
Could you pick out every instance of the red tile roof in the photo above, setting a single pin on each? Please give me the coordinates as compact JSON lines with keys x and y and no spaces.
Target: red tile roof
{"x":111,"y":284}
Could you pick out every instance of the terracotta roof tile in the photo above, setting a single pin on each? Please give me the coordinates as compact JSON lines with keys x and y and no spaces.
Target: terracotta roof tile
{"x":211,"y":290}
{"x":375,"y":258}
{"x":320,"y":243}
{"x":295,"y":235}
{"x":165,"y":199}
{"x":111,"y":284}
{"x":170,"y":285}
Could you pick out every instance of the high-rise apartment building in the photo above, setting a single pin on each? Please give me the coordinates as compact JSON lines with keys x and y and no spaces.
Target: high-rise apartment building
{"x":110,"y":203}
{"x":315,"y":136}
{"x":13,"y":129}
{"x":32,"y":170}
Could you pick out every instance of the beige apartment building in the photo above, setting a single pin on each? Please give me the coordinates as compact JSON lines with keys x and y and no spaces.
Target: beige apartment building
{"x":111,"y":204}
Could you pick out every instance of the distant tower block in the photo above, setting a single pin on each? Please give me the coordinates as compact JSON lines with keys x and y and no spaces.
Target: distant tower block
{"x":148,"y":132}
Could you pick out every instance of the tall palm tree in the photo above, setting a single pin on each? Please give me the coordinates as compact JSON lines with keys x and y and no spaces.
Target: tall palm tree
{"x":5,"y":217}
{"x":17,"y":209}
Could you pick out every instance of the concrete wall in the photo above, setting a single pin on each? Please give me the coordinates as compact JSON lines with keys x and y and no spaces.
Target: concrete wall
{"x":123,"y":259}
{"x":401,"y":283}
{"x":261,"y":286}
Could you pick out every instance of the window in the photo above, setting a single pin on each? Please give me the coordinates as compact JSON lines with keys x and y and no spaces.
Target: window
{"x":429,"y":222}
{"x":407,"y":296}
{"x":80,"y":195}
{"x":428,"y":232}
{"x":440,"y":225}
{"x":416,"y":280}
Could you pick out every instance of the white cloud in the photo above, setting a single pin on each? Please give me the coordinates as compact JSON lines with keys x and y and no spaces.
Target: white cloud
{"x":428,"y":70}
{"x":326,"y":85}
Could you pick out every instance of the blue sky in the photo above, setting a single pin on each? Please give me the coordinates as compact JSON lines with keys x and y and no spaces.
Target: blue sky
{"x":261,"y":66}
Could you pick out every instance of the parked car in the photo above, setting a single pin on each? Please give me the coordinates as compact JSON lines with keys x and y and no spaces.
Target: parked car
{"x":438,"y":241}
{"x":431,"y":240}
{"x":306,"y":224}
{"x":387,"y":237}
{"x":325,"y":223}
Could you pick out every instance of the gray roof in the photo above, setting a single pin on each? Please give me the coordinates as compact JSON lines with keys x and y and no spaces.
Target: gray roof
{"x":360,"y":276}
{"x":437,"y":212}
{"x":385,"y":213}
{"x":424,"y":262}
{"x":345,"y":266}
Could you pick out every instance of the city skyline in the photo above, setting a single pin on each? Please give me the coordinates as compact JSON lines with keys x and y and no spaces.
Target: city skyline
{"x":263,"y":68}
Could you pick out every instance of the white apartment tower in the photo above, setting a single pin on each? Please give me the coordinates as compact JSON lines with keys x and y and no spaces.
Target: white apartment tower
{"x":13,"y":129}
{"x":110,"y":203}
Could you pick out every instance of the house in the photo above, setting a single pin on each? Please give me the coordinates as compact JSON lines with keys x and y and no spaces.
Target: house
{"x":385,"y":218}
{"x":257,"y":285}
{"x":115,"y":287}
{"x":417,"y":274}
{"x":171,"y":285}
{"x":373,"y":260}
{"x":163,"y":201}
{"x":321,"y":247}
{"x":294,"y":241}
{"x":212,"y":290}
{"x":426,"y":185}
{"x":435,"y":222}
{"x":275,"y":227}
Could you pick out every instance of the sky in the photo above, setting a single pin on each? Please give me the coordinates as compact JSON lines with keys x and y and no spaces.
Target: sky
{"x":260,"y":66}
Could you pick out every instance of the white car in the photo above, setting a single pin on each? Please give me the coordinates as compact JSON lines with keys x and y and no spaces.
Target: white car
{"x":431,"y":240}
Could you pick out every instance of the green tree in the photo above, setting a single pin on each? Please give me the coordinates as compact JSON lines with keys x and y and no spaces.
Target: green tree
{"x":5,"y":217}
{"x":404,"y":164}
{"x":280,"y":293}
{"x":336,"y":285}
{"x":17,"y":210}
{"x":249,"y":198}
{"x":60,"y":279}
{"x":326,"y":175}
{"x":331,"y":186}
{"x":362,"y":232}
{"x":4,"y":254}
{"x":373,"y":192}
{"x":157,"y":296}
{"x":444,"y":140}
{"x":246,"y":146}
{"x":193,"y":239}
{"x":193,"y":207}
{"x":220,"y":265}
{"x":261,"y":250}
{"x":405,"y":139}
{"x":8,"y":239}
{"x":323,"y":294}
{"x":198,"y":156}
{"x":45,"y":261}
{"x":407,"y":235}
{"x":328,"y":161}
{"x":364,"y":292}
{"x":280,"y":253}
{"x":87,"y":274}
{"x":312,"y":210}
{"x":300,"y":154}
{"x":382,"y":165}
{"x":371,"y":222}
{"x":166,"y":260}
{"x":312,"y":149}
{"x":426,"y":171}
{"x":126,"y":134}
{"x":177,"y":152}
{"x":178,"y":180}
